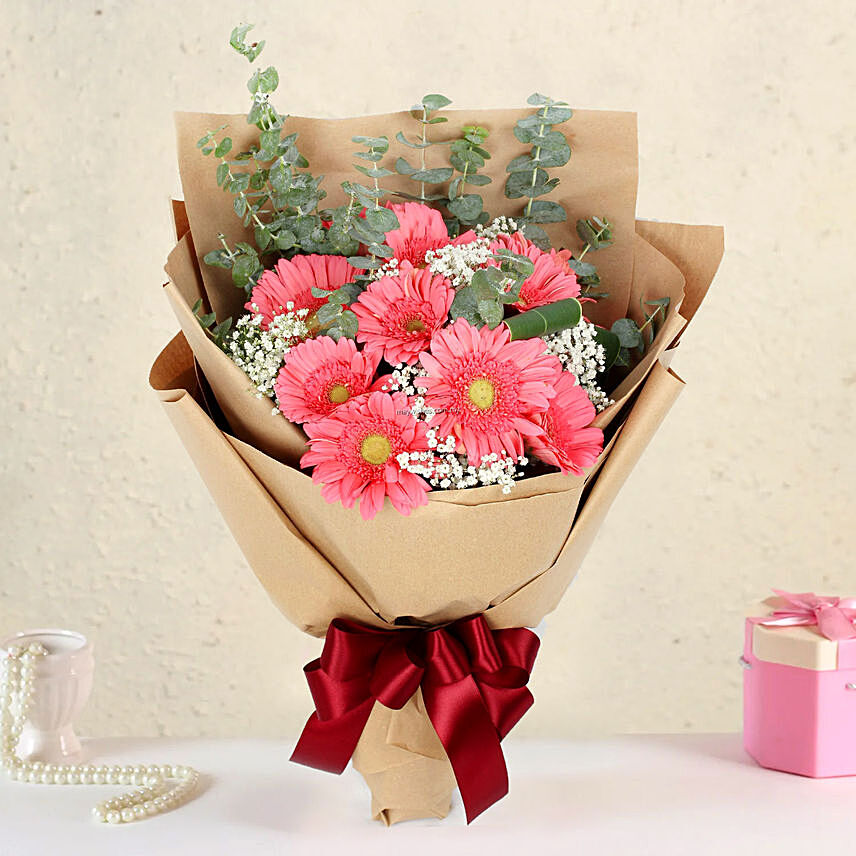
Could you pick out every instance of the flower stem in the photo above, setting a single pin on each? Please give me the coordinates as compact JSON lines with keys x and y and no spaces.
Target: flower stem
{"x":536,"y":159}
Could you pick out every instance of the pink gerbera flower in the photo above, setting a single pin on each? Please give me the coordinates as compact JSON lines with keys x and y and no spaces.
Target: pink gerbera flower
{"x":486,"y":389}
{"x":420,"y":229}
{"x":292,"y":281}
{"x":354,"y":452}
{"x":321,"y":374}
{"x":568,"y":440}
{"x":398,"y":315}
{"x":551,"y":280}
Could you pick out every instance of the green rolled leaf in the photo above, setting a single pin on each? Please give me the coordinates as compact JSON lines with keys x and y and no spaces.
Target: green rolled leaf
{"x":544,"y":320}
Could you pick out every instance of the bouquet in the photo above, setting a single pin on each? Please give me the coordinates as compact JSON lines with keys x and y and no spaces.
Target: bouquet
{"x":414,"y":391}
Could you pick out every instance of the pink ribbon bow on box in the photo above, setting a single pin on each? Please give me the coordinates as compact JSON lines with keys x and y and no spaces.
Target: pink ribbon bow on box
{"x":834,"y":616}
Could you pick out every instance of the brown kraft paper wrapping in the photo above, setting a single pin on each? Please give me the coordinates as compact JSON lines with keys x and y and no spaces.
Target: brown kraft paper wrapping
{"x":319,"y":561}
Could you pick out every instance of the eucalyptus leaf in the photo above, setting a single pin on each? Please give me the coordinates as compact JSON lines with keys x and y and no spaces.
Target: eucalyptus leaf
{"x":466,"y":208}
{"x":465,"y":305}
{"x":627,"y":332}
{"x":543,"y":211}
{"x":435,"y":102}
{"x":491,"y":311}
{"x":433,"y":176}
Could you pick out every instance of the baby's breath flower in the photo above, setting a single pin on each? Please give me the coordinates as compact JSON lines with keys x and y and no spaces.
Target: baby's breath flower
{"x":500,"y":226}
{"x":260,"y":352}
{"x":582,"y":355}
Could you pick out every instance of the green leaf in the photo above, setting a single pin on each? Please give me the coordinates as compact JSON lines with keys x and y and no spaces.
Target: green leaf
{"x":348,"y":324}
{"x":328,"y":312}
{"x":240,"y":183}
{"x":417,"y":145}
{"x":627,"y":332}
{"x":596,"y":232}
{"x":381,"y":250}
{"x":364,"y":262}
{"x":222,"y":173}
{"x":543,"y":211}
{"x":285,"y":240}
{"x":491,"y":311}
{"x":237,"y":41}
{"x":537,"y":235}
{"x":556,"y":114}
{"x":381,"y":143}
{"x":435,"y":102}
{"x":403,"y":167}
{"x":538,"y":100}
{"x":465,"y":305}
{"x":263,"y":237}
{"x":374,"y":172}
{"x":268,"y":79}
{"x":432,"y":176}
{"x":477,"y":180}
{"x":522,"y":163}
{"x":240,"y":205}
{"x":217,"y":258}
{"x":466,"y":208}
{"x":382,"y":219}
{"x":520,"y":184}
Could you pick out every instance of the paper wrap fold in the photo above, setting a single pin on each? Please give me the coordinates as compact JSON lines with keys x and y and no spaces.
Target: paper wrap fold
{"x":462,"y":553}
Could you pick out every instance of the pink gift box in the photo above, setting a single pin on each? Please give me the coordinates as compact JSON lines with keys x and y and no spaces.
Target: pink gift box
{"x":799,"y":688}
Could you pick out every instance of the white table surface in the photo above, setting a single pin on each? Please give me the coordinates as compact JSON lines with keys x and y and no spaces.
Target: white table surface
{"x":687,"y":794}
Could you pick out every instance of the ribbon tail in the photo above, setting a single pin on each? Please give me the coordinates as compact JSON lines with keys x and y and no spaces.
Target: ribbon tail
{"x":329,"y":744}
{"x":470,"y":739}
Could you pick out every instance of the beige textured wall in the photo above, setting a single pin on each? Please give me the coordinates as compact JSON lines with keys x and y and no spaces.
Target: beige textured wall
{"x":745,"y":118}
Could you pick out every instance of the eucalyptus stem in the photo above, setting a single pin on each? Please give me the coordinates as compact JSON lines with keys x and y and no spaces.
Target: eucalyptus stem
{"x":535,"y":160}
{"x":422,"y":151}
{"x":589,"y":244}
{"x":651,"y":317}
{"x":222,"y":238}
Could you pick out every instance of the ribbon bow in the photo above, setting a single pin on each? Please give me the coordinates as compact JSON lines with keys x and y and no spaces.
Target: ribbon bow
{"x":834,"y":616}
{"x":473,"y":682}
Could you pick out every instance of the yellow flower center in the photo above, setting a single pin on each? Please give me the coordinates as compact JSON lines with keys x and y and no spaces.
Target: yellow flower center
{"x":338,"y":394}
{"x":376,"y":449}
{"x":482,"y":393}
{"x":414,"y":325}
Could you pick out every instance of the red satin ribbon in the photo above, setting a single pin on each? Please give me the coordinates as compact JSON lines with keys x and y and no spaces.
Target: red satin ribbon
{"x":473,"y":682}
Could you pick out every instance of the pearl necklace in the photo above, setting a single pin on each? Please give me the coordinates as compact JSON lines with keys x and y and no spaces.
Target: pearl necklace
{"x":154,"y":796}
